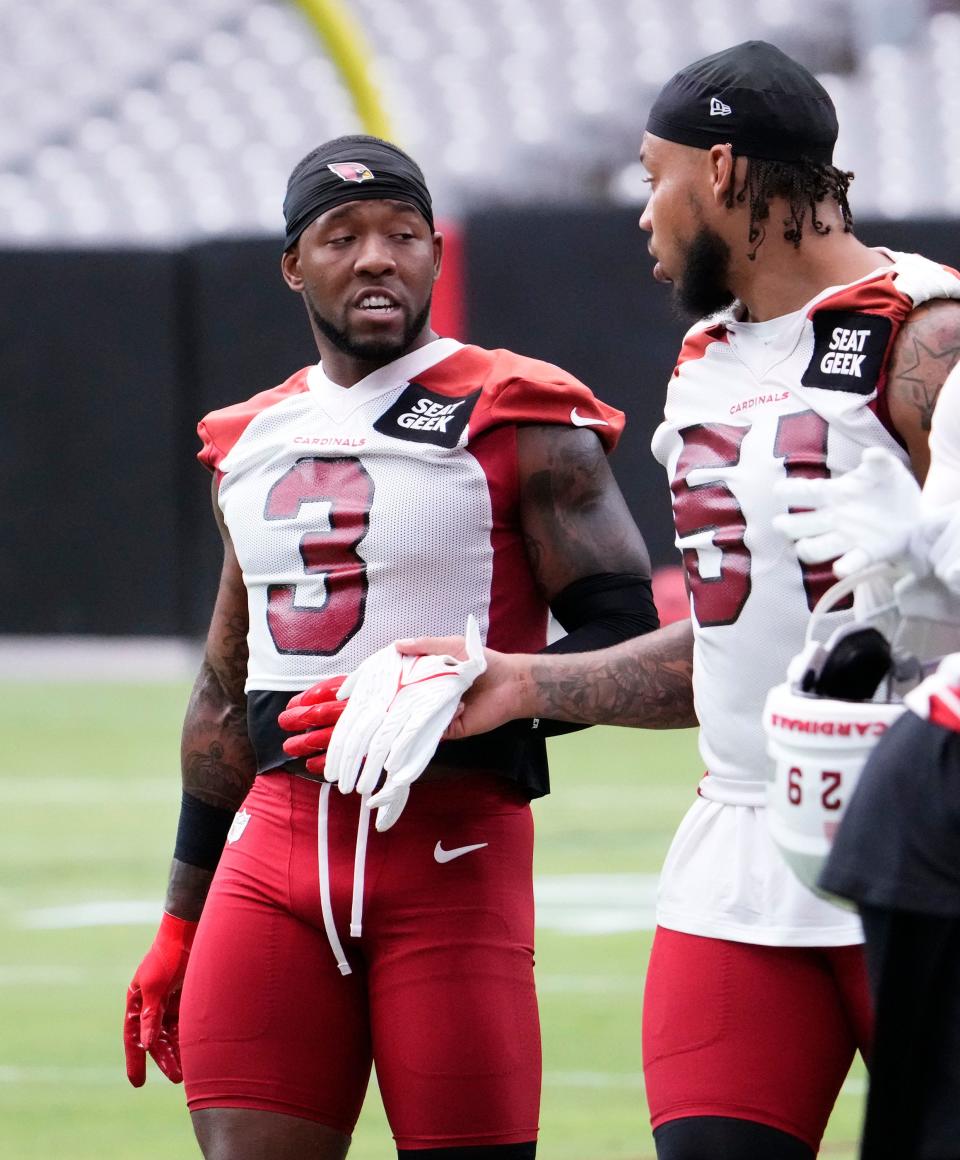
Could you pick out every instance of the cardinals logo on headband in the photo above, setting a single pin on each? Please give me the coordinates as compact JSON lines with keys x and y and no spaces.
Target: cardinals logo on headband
{"x":350,"y":171}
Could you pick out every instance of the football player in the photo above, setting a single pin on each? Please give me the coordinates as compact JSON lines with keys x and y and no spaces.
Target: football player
{"x":404,"y":483}
{"x":815,"y":347}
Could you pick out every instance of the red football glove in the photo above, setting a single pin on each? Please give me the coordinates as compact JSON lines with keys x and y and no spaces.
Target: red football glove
{"x":151,"y":1022}
{"x":317,"y":710}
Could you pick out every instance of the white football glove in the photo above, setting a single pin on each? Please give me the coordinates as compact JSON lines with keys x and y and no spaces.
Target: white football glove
{"x":397,"y":710}
{"x":939,"y":534}
{"x":864,"y":517}
{"x":370,"y":689}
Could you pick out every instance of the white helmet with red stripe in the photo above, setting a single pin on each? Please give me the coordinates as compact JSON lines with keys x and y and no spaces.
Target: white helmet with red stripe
{"x":821,"y":725}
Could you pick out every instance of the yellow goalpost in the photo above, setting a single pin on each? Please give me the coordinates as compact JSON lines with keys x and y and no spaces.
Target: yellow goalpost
{"x":350,"y":53}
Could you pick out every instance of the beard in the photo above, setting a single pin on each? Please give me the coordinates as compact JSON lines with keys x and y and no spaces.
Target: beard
{"x":703,"y":287}
{"x":370,"y":350}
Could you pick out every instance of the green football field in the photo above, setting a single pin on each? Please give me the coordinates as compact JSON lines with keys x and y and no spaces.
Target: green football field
{"x":89,"y":795}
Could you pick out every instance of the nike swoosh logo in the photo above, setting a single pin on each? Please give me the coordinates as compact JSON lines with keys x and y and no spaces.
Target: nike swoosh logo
{"x":580,"y":421}
{"x":442,"y":855}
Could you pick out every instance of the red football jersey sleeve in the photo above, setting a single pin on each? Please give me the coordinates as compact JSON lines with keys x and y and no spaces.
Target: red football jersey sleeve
{"x":516,"y":390}
{"x":220,"y":430}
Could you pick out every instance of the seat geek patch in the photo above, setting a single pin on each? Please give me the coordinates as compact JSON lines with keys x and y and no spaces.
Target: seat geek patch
{"x":848,"y":350}
{"x":421,"y":416}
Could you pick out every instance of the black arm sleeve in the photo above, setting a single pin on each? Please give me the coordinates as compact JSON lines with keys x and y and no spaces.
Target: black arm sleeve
{"x":601,"y":610}
{"x":202,"y":832}
{"x":597,"y":611}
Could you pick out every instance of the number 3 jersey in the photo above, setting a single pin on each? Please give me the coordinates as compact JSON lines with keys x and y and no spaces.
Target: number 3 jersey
{"x":748,"y":405}
{"x":386,"y":509}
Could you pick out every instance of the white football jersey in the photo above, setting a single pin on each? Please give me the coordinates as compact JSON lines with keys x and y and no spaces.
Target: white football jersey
{"x":386,"y":509}
{"x":749,"y":404}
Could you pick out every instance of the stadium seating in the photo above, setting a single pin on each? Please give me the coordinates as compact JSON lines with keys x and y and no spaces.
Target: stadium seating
{"x":136,"y":122}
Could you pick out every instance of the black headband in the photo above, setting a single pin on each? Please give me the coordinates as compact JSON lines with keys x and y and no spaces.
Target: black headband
{"x":753,"y":96}
{"x":351,"y":169}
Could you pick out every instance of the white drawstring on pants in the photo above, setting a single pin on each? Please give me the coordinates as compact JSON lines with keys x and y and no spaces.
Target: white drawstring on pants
{"x":359,"y":865}
{"x":326,"y":906}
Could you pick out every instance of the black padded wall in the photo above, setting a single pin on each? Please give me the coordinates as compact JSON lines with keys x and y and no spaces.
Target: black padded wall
{"x":108,"y":359}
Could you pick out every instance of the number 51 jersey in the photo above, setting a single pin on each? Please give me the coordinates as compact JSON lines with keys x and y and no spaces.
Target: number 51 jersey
{"x":748,"y":404}
{"x":386,"y":509}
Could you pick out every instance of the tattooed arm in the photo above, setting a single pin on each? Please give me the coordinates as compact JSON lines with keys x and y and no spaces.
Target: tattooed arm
{"x":645,"y":682}
{"x":576,"y":524}
{"x":216,"y":757}
{"x":927,"y":348}
{"x":218,"y":769}
{"x":575,"y":521}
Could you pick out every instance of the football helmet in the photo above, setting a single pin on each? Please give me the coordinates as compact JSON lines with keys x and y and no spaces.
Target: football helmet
{"x":821,"y":724}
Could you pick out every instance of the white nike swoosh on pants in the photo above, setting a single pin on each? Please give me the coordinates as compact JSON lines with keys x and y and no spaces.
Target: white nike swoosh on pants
{"x":442,"y":855}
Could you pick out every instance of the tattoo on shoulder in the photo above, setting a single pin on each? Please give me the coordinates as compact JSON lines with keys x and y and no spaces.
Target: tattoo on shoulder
{"x":566,"y":504}
{"x":568,"y":481}
{"x":928,"y":349}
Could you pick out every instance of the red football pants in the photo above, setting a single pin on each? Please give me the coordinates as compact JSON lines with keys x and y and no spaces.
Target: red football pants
{"x":752,"y":1032}
{"x":441,"y":995}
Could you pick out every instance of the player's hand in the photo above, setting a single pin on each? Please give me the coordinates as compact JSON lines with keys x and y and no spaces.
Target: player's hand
{"x":312,"y":715}
{"x":151,"y":1022}
{"x":397,"y":710}
{"x":866,"y":516}
{"x":368,"y":691}
{"x":498,"y":695}
{"x":430,"y":691}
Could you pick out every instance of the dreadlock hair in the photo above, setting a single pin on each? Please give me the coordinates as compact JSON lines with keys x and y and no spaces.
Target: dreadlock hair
{"x":802,"y":184}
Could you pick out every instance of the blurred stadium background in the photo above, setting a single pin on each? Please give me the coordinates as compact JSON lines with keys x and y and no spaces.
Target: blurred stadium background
{"x":144,"y":150}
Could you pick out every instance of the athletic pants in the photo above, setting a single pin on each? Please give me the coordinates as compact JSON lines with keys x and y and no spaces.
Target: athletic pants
{"x":440,"y":992}
{"x":751,"y":1032}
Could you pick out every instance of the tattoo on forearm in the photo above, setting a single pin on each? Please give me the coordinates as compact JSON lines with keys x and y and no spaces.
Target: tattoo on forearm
{"x":217,"y":758}
{"x":233,"y":662}
{"x":211,"y":777}
{"x":632,"y":684}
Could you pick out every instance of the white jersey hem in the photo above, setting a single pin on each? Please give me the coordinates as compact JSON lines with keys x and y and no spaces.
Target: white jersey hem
{"x":723,"y":877}
{"x":732,"y":931}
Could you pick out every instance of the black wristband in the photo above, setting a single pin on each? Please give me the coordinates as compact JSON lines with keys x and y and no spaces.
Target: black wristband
{"x":201,"y":832}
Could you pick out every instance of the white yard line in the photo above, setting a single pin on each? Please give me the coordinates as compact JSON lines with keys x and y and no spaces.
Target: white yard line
{"x":596,"y":903}
{"x":92,"y":658}
{"x":582,"y":904}
{"x":54,"y":1076}
{"x":71,"y":790}
{"x":130,"y":912}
